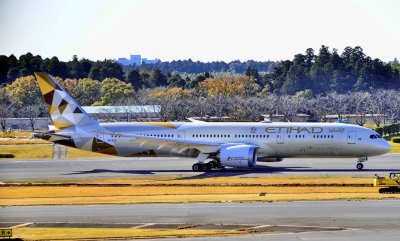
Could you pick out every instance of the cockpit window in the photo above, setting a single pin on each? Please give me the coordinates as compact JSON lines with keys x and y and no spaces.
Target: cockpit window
{"x":373,"y":136}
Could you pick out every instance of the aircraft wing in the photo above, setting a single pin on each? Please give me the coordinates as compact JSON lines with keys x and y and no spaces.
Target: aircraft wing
{"x":203,"y":146}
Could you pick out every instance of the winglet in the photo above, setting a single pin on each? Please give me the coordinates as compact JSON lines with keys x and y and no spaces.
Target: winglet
{"x":64,"y":110}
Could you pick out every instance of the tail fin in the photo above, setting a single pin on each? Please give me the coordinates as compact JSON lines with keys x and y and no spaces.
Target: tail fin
{"x":64,"y":110}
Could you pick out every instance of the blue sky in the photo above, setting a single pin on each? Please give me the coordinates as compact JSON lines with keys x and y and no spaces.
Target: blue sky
{"x":203,"y":30}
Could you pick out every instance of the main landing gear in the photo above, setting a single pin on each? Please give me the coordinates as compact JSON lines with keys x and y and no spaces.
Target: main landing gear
{"x":360,"y":164}
{"x":205,"y":167}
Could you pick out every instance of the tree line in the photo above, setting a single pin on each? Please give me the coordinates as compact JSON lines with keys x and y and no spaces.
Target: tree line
{"x":352,"y":70}
{"x":236,"y":96}
{"x":314,"y":84}
{"x":197,"y":67}
{"x":12,"y":68}
{"x":321,"y":72}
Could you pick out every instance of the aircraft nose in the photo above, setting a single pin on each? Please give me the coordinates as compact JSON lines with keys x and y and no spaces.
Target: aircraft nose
{"x":386,"y":147}
{"x":379,"y":148}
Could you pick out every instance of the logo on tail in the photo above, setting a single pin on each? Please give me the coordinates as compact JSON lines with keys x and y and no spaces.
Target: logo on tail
{"x":64,"y":110}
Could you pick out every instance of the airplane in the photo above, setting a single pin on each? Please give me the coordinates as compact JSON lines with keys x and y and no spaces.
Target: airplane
{"x":215,"y":145}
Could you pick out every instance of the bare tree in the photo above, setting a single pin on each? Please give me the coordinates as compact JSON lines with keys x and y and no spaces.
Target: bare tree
{"x":219,"y":105}
{"x":289,"y":106}
{"x":318,"y":107}
{"x":32,"y":112}
{"x":378,"y":103}
{"x":6,"y":111}
{"x":268,"y":104}
{"x":360,"y":100}
{"x":393,"y":108}
{"x":246,"y":109}
{"x":339,"y":104}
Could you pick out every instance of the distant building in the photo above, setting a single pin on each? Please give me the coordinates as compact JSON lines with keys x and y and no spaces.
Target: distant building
{"x":136,"y":59}
{"x":149,"y":61}
{"x":357,"y":118}
{"x":124,"y":113}
{"x":123,"y":61}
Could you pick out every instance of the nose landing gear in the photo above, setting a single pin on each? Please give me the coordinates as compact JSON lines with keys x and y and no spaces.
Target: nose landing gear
{"x":360,"y":164}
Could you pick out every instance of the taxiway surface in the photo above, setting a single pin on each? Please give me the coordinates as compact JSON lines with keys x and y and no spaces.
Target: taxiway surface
{"x":363,"y":220}
{"x":68,"y":169}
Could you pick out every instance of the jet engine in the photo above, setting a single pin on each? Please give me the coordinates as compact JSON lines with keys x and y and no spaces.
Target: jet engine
{"x":238,"y":156}
{"x":269,"y":159}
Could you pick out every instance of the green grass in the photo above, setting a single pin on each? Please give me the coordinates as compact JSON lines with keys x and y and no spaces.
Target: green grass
{"x":27,"y":151}
{"x":171,"y":190}
{"x":42,"y":152}
{"x":395,"y":147}
{"x":112,"y":233}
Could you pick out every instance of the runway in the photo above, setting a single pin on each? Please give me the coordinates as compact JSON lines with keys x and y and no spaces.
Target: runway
{"x":68,"y":169}
{"x":363,"y":220}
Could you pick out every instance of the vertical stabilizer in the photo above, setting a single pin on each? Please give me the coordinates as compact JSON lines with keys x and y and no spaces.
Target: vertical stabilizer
{"x":64,"y":110}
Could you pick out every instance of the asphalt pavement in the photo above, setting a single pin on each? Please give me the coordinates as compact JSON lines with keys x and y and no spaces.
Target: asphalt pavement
{"x":68,"y":169}
{"x":362,"y":220}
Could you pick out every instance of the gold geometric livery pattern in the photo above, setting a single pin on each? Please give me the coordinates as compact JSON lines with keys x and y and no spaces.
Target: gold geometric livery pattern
{"x":64,"y":110}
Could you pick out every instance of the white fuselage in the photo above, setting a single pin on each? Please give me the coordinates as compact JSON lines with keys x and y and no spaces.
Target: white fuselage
{"x":272,"y":139}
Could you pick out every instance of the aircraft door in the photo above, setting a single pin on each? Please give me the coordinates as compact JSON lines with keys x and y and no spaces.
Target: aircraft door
{"x":181,"y":134}
{"x":351,"y":137}
{"x":279,"y":138}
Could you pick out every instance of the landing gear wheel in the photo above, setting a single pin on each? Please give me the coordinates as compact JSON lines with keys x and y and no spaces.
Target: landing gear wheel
{"x":360,"y":166}
{"x":212,"y":164}
{"x":196,"y":167}
{"x":205,"y":167}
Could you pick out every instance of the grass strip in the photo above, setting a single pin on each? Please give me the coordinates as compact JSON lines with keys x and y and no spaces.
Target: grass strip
{"x":169,"y":190}
{"x":112,"y":233}
{"x":215,"y":198}
{"x":44,"y":152}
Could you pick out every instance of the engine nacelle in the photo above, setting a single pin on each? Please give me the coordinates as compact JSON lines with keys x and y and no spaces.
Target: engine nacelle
{"x":238,"y":156}
{"x":269,"y":159}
